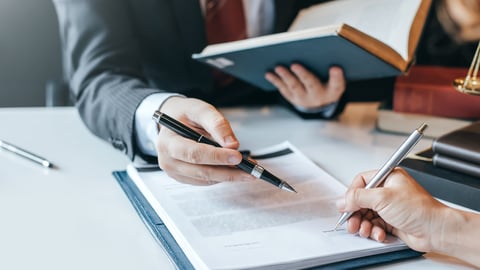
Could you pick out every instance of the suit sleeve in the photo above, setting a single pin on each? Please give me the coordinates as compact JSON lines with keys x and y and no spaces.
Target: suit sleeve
{"x":103,"y":67}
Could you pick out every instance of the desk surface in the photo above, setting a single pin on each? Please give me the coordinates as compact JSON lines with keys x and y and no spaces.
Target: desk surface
{"x":77,"y":217}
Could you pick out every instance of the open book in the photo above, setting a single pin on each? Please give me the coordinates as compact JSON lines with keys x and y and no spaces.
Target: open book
{"x":368,"y":39}
{"x":253,"y":225}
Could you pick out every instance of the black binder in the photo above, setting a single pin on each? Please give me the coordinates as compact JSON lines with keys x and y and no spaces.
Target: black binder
{"x":160,"y":232}
{"x":448,"y":185}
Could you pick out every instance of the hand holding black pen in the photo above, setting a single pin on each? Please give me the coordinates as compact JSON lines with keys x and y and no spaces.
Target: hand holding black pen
{"x":246,"y":164}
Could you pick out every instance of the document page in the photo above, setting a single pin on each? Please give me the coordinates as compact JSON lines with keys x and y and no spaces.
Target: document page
{"x":255,"y":225}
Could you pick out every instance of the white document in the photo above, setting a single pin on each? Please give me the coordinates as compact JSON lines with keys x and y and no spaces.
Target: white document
{"x":255,"y":225}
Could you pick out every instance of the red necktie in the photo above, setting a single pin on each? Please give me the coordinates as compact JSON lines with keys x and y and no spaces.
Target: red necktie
{"x":224,"y":21}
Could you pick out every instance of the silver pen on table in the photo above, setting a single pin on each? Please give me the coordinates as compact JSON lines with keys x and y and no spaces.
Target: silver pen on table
{"x":388,"y":167}
{"x":25,"y":154}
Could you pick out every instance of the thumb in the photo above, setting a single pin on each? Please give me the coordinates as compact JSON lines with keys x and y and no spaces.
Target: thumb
{"x":336,"y":81}
{"x":217,"y":126}
{"x":358,"y":198}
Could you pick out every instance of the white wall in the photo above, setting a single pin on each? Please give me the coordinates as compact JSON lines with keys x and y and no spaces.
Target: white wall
{"x":29,"y":51}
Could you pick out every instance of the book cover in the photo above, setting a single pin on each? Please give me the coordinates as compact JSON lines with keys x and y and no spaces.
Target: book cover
{"x":428,"y":90}
{"x":458,"y":165}
{"x":389,"y":120}
{"x":461,"y":144}
{"x":330,"y":34}
{"x":448,"y":185}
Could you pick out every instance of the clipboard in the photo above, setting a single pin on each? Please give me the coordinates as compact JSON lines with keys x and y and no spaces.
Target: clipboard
{"x":162,"y":235}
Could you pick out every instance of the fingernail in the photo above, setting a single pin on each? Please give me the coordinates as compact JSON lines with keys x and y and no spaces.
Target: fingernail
{"x":335,"y":71}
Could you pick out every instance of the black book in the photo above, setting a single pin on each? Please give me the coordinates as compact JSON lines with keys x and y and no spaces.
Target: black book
{"x":334,"y":33}
{"x":448,"y":185}
{"x":462,"y":144}
{"x":459,"y":165}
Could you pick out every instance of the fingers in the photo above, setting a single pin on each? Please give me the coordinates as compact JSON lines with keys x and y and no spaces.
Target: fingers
{"x":359,"y":182}
{"x":336,"y":83}
{"x":368,"y":225}
{"x":286,"y":83}
{"x":196,"y":163}
{"x":205,"y":174}
{"x":362,"y":179}
{"x":203,"y":117}
{"x":375,"y":199}
{"x":308,"y":79}
{"x":186,"y":150}
{"x":216,"y":125}
{"x":303,"y":88}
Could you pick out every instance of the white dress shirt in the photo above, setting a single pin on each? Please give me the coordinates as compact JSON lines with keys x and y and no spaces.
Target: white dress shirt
{"x":260,"y":16}
{"x":259,"y":19}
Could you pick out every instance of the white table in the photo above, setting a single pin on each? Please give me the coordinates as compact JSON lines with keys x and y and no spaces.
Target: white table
{"x":77,"y":216}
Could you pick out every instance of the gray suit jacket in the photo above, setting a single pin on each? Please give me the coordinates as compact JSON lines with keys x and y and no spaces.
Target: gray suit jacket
{"x":117,"y":52}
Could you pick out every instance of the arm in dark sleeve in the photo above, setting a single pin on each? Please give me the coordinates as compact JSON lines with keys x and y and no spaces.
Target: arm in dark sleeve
{"x":102,"y":65}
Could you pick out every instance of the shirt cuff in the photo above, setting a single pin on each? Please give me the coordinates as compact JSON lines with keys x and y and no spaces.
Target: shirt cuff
{"x":326,"y":110}
{"x":145,"y":128}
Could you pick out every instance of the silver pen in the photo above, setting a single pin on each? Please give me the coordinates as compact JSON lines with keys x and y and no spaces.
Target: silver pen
{"x":25,"y":154}
{"x":388,"y":167}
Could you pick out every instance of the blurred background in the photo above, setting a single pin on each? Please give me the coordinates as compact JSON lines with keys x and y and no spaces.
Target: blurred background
{"x":30,"y":54}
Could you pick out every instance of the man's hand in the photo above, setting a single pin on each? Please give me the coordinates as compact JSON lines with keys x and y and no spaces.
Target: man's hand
{"x":303,"y":89}
{"x":196,"y":163}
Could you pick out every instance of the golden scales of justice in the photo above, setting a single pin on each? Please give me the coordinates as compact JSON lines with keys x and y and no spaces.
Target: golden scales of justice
{"x":471,"y":83}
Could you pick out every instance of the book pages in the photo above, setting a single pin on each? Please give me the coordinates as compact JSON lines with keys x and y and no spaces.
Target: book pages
{"x":388,"y":21}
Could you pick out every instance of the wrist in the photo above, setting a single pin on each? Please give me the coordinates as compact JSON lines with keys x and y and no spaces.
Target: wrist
{"x":445,"y":238}
{"x":327,"y":110}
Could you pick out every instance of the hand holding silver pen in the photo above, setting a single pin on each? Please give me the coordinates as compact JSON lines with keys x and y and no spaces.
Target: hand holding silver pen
{"x":25,"y":154}
{"x":391,"y":163}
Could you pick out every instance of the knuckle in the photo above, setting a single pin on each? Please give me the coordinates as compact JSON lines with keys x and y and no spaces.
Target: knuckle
{"x":228,"y":178}
{"x":219,"y":122}
{"x":203,"y":175}
{"x":193,"y":155}
{"x":165,"y":166}
{"x":297,"y":88}
{"x":311,"y":86}
{"x":217,"y":157}
{"x":355,"y":194}
{"x":381,"y":198}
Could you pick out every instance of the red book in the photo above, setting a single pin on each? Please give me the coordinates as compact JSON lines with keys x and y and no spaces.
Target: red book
{"x":428,"y":90}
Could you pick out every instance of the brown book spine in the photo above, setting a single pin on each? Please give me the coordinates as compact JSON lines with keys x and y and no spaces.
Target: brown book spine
{"x":428,"y":90}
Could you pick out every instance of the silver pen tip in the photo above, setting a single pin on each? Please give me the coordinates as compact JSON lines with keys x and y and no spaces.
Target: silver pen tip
{"x":422,"y":128}
{"x":156,"y":115}
{"x":287,"y":187}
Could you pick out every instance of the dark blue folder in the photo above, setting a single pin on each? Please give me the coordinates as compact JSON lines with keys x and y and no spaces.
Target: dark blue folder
{"x":163,"y":236}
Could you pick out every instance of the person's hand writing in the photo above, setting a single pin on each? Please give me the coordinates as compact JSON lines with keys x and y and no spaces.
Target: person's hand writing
{"x":401,"y":207}
{"x":196,"y":163}
{"x":302,"y":88}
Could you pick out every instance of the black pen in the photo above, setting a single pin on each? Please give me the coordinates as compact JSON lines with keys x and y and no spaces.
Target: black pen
{"x":246,"y":165}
